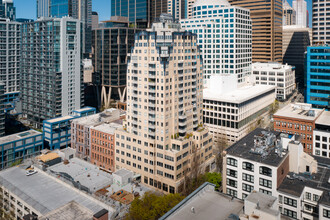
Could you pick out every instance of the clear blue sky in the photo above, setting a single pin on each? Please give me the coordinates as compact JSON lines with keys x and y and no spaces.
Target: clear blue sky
{"x":27,"y":8}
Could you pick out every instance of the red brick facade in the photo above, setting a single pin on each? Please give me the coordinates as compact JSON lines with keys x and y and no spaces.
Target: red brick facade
{"x":102,"y":149}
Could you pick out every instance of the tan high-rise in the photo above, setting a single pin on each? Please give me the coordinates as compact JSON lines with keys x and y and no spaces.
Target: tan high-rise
{"x":163,"y":138}
{"x":266,"y":28}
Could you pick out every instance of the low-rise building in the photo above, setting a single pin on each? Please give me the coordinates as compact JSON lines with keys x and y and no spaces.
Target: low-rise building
{"x":103,"y":145}
{"x":276,"y":74}
{"x":81,"y":136}
{"x":229,"y":111}
{"x":261,"y":160}
{"x":321,"y":135}
{"x":298,"y":119}
{"x":57,"y":131}
{"x":16,"y":147}
{"x":41,"y":195}
{"x":306,"y":195}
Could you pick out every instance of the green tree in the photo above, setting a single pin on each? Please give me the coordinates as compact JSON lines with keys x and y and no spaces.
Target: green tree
{"x":152,"y":206}
{"x":214,"y":178}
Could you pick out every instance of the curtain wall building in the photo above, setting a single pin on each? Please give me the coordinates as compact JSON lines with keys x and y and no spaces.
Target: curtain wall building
{"x":224,"y":36}
{"x":266,"y":28}
{"x":42,"y":8}
{"x":163,"y":138}
{"x":51,"y":68}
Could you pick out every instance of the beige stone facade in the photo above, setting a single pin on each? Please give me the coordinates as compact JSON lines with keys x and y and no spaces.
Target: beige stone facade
{"x":163,"y":137}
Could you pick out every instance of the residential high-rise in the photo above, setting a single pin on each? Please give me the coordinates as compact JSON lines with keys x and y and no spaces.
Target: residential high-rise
{"x":51,"y":75}
{"x":10,"y":35}
{"x":112,"y":40}
{"x":296,"y":39}
{"x":224,"y":36}
{"x":163,"y":138}
{"x":320,"y":21}
{"x":2,"y":108}
{"x":138,"y":12}
{"x":266,"y":19}
{"x":300,"y":6}
{"x":42,"y":8}
{"x":289,"y":14}
{"x":7,"y":9}
{"x":78,"y":9}
{"x":317,"y":78}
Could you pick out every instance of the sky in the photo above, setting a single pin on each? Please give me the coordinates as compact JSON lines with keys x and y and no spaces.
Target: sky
{"x":27,"y":8}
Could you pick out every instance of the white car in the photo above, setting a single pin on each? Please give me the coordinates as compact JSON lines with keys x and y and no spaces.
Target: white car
{"x":31,"y":172}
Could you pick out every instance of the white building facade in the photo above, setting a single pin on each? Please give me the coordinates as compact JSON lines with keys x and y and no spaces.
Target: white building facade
{"x":300,"y":6}
{"x":224,"y":36}
{"x":321,"y":135}
{"x":281,"y":76}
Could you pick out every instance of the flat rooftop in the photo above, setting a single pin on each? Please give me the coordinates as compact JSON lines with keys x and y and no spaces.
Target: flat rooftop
{"x":239,"y":95}
{"x":86,"y":173}
{"x":208,"y":204}
{"x":242,"y":149}
{"x":19,"y":136}
{"x":265,"y":202}
{"x":300,"y":111}
{"x":324,"y":118}
{"x":59,"y":119}
{"x":109,"y":115}
{"x":294,"y":184}
{"x":84,"y":109}
{"x":43,"y":192}
{"x":270,"y":66}
{"x":108,"y":128}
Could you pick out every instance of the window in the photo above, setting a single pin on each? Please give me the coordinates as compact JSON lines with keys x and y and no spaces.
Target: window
{"x":232,"y":183}
{"x":248,"y":166}
{"x":265,"y":191}
{"x":315,"y":198}
{"x":280,"y":199}
{"x":308,"y":195}
{"x":265,"y":171}
{"x":289,"y":213}
{"x":246,"y":187}
{"x":265,"y":183}
{"x":248,"y":178}
{"x":326,"y":213}
{"x":232,"y":162}
{"x":290,"y":202}
{"x":231,"y":173}
{"x":232,"y":192}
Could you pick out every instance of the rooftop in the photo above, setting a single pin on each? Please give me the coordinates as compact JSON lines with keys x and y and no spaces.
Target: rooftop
{"x":47,"y":157}
{"x":294,"y":184}
{"x":108,"y":128}
{"x":212,"y":2}
{"x":59,"y":119}
{"x":271,"y":66}
{"x":324,"y":118}
{"x":236,"y":96}
{"x":85,"y":108}
{"x":19,"y":136}
{"x":109,"y":115}
{"x":205,"y":203}
{"x":259,"y":146}
{"x":85,"y":173}
{"x":264,"y":201}
{"x":299,"y":111}
{"x":45,"y":193}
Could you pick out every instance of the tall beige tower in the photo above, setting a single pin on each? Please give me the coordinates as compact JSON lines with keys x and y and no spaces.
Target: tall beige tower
{"x":163,"y":138}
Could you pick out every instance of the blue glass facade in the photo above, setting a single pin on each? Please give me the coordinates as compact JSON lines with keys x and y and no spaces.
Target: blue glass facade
{"x":57,"y":131}
{"x":59,"y":8}
{"x":317,"y":79}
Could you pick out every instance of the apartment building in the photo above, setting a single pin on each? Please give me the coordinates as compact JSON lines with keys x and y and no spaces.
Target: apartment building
{"x":163,"y":131}
{"x":224,"y":34}
{"x":2,"y":109}
{"x":289,"y":14}
{"x":266,"y":28}
{"x":261,"y":160}
{"x":321,"y":135}
{"x":51,"y":75}
{"x":320,"y":22}
{"x":103,"y":145}
{"x":317,"y":77}
{"x":276,"y":74}
{"x":230,"y":111}
{"x":85,"y":141}
{"x":298,"y":119}
{"x":306,"y":195}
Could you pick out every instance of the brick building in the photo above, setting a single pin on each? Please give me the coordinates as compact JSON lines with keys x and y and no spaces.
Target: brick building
{"x":298,"y":119}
